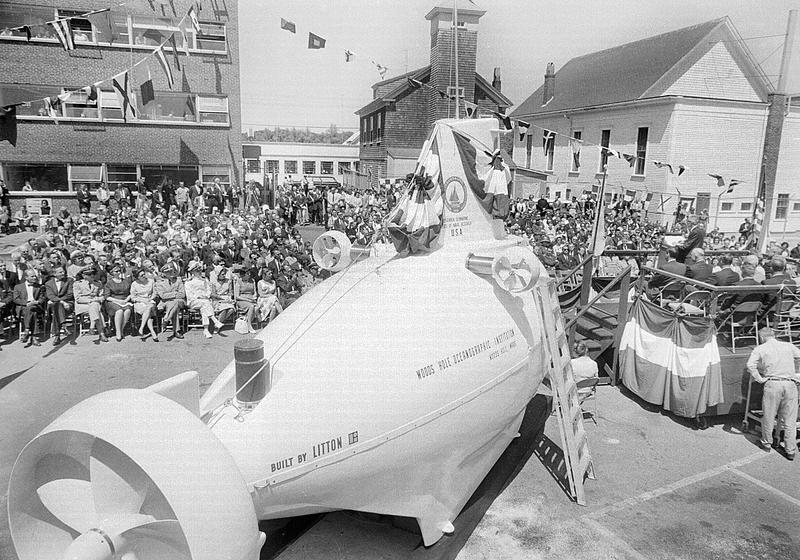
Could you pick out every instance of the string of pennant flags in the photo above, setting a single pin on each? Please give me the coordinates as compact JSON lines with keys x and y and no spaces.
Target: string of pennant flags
{"x":576,"y":144}
{"x":122,"y":82}
{"x":318,"y":42}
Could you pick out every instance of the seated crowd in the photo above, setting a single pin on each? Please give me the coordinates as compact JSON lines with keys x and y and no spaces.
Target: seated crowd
{"x":157,"y":261}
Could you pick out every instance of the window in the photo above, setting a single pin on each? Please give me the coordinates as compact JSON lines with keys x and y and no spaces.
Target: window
{"x":374,"y":128}
{"x":221,"y":172}
{"x":746,"y":207}
{"x":78,"y":106}
{"x":451,"y":92}
{"x":89,"y":174}
{"x":290,"y":166}
{"x":253,"y":166}
{"x":575,"y":163}
{"x":41,"y":176}
{"x":344,"y":167}
{"x":151,"y":31}
{"x":109,"y":106}
{"x":641,"y":150}
{"x":81,"y":28}
{"x":213,"y":109}
{"x":122,"y":28}
{"x":121,"y":174}
{"x":309,"y":167}
{"x":782,"y":206}
{"x":211,"y":37}
{"x":367,"y":130}
{"x":605,"y":139}
{"x":17,"y":15}
{"x":549,"y":150}
{"x":726,"y":207}
{"x":272,"y":166}
{"x":796,"y":207}
{"x":30,"y":91}
{"x":161,"y":174}
{"x":529,"y":151}
{"x":167,"y":106}
{"x":326,"y":167}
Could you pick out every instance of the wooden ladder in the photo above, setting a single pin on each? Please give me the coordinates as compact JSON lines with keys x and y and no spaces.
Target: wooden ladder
{"x":565,"y":395}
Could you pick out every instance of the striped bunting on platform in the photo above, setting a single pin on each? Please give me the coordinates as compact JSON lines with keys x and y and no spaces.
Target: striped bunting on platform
{"x":671,"y":360}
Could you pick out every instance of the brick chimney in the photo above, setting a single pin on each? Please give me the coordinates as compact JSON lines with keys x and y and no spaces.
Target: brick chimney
{"x":496,"y":82}
{"x":549,"y":90}
{"x":441,"y":18}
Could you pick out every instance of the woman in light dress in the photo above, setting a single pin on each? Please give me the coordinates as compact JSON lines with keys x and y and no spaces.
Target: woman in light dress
{"x":144,"y":303}
{"x":222,"y":294}
{"x":267,"y":304}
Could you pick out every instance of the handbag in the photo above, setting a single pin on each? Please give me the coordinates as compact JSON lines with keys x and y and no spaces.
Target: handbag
{"x":241,"y":326}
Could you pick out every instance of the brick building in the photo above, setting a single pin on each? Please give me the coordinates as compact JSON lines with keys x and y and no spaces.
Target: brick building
{"x":396,"y":122}
{"x":189,"y":131}
{"x":693,"y":97}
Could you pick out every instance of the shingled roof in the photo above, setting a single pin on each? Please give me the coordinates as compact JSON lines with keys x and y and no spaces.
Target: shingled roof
{"x":622,"y":73}
{"x":388,"y":91}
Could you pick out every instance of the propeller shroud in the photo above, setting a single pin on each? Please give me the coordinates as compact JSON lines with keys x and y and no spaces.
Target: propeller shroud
{"x":129,"y":474}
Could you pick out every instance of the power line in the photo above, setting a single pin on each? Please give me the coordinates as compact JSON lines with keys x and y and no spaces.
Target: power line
{"x":776,"y":49}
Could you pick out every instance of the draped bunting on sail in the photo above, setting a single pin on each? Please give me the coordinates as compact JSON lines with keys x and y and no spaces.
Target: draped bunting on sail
{"x":491,"y":190}
{"x":416,"y":221}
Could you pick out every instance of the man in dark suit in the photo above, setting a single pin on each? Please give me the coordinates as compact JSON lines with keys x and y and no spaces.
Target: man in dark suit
{"x":694,"y":239}
{"x":726,"y":276}
{"x":698,"y":269}
{"x":8,"y":279}
{"x":777,"y":278}
{"x":670,"y":265}
{"x":29,"y":298}
{"x":58,"y":291}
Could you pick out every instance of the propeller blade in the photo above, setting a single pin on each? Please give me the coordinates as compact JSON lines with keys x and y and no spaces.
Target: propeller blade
{"x":40,"y":532}
{"x":157,"y":540}
{"x":70,"y":500}
{"x":504,"y":274}
{"x":330,"y":260}
{"x":119,"y":485}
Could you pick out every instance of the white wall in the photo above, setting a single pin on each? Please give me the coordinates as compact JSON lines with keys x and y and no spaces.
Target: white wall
{"x":300,"y":152}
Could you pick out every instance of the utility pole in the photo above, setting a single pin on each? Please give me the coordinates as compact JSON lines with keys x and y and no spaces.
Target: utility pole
{"x":774,"y":130}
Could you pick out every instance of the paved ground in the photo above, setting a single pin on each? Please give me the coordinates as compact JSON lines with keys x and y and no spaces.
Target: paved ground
{"x":664,"y":490}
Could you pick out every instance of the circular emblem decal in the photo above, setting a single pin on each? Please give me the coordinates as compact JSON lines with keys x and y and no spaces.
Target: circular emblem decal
{"x":455,"y":195}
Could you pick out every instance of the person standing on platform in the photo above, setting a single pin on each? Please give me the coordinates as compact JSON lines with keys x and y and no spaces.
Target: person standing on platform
{"x":694,"y":237}
{"x":773,"y":364}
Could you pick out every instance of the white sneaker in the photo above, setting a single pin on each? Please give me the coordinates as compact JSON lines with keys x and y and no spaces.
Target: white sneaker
{"x":207,"y":334}
{"x":218,"y":323}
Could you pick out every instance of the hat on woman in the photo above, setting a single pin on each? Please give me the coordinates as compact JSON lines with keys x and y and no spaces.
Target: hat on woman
{"x":194,"y":265}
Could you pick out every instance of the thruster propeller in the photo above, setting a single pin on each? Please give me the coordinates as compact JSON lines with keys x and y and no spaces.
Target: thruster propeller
{"x":151,"y":484}
{"x":516,"y":269}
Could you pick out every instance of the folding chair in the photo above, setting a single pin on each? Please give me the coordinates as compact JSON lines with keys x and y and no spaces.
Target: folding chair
{"x":785,"y":315}
{"x":693,"y":303}
{"x":587,"y":389}
{"x":744,"y":319}
{"x":670,"y":291}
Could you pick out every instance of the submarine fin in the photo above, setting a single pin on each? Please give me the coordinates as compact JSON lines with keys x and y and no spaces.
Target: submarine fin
{"x":433,"y":526}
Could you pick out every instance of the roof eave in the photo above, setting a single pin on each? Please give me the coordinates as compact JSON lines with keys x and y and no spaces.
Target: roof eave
{"x":498,"y":97}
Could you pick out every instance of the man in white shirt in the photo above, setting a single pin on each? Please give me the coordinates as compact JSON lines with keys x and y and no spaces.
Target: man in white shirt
{"x":583,"y":367}
{"x":773,"y":363}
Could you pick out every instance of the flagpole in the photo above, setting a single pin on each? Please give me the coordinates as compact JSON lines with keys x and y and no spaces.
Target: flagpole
{"x":598,"y":209}
{"x":455,"y":43}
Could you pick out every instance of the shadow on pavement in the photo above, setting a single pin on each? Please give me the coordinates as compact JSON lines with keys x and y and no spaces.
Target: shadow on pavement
{"x":9,"y":378}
